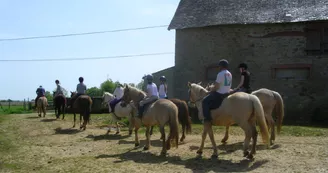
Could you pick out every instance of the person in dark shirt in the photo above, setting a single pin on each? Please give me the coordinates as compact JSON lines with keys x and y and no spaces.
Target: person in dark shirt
{"x":244,"y":85}
{"x":40,"y":92}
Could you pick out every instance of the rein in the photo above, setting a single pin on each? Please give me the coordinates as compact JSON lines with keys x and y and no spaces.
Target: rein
{"x":197,"y":100}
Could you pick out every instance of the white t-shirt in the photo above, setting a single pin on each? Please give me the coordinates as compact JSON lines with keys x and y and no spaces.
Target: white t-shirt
{"x":152,"y":90}
{"x":118,"y":92}
{"x":224,"y":78}
{"x":161,"y":90}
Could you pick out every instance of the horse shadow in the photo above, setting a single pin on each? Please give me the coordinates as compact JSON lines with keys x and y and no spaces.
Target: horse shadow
{"x":154,"y":143}
{"x":69,"y":131}
{"x":48,"y":120}
{"x":34,"y":117}
{"x":107,"y":137}
{"x":196,"y":164}
{"x":233,"y":147}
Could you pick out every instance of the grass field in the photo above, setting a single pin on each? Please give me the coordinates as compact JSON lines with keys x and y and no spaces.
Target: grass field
{"x":13,"y":109}
{"x":32,"y":144}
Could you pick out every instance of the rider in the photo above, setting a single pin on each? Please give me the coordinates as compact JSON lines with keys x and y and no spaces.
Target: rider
{"x":220,"y":90}
{"x":152,"y":93}
{"x":80,"y":90}
{"x":40,"y":93}
{"x":162,"y":88}
{"x":59,"y":89}
{"x":244,"y":85}
{"x":118,"y":94}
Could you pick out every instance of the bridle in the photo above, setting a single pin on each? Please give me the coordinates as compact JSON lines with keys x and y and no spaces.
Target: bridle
{"x":192,"y":101}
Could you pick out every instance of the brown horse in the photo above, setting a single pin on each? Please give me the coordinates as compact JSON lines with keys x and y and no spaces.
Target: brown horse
{"x":82,"y":105}
{"x":238,"y":108}
{"x":42,"y":104}
{"x":271,"y":101}
{"x":184,"y":118}
{"x":59,"y":104}
{"x":160,"y":112}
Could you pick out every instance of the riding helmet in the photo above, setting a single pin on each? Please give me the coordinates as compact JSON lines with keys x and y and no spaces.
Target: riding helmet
{"x":162,"y":78}
{"x":223,"y":63}
{"x":81,"y":79}
{"x":149,"y":77}
{"x":243,"y":65}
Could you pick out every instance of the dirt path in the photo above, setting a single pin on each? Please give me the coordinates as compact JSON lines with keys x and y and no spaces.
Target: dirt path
{"x":45,"y":145}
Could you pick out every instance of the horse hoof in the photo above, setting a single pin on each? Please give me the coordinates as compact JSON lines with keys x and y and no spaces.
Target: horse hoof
{"x":214,"y":156}
{"x":146,"y":148}
{"x":163,"y":153}
{"x":136,"y":144}
{"x":130,"y":132}
{"x":117,"y":133}
{"x":246,"y":153}
{"x":250,"y":157}
{"x":199,"y":152}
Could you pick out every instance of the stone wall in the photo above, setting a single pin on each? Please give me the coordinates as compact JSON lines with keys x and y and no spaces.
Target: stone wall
{"x":168,"y":73}
{"x":198,"y":48}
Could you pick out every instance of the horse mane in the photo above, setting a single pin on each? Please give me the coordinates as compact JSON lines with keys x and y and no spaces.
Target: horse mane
{"x":134,"y":89}
{"x":199,"y":88}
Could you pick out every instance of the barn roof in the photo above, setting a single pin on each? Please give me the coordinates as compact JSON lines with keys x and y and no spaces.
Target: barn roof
{"x":200,"y":13}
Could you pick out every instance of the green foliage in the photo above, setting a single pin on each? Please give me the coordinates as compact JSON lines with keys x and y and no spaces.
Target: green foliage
{"x":140,"y":85}
{"x":49,"y":96}
{"x":108,"y":86}
{"x":94,"y":91}
{"x":14,"y":110}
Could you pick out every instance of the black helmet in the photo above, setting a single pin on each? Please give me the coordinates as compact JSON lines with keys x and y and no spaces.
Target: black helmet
{"x":243,"y":65}
{"x":149,"y":77}
{"x":57,"y":81}
{"x":224,"y":63}
{"x":162,"y":78}
{"x":40,"y":86}
{"x":81,"y":79}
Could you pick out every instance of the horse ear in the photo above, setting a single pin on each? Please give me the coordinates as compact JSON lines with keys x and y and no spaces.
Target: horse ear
{"x":199,"y":83}
{"x":71,"y":92}
{"x":189,"y":84}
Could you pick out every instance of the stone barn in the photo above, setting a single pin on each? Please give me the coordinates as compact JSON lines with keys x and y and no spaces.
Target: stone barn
{"x":284,"y":43}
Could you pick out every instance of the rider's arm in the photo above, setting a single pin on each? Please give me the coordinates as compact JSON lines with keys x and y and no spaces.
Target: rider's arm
{"x":241,"y":82}
{"x":219,"y":79}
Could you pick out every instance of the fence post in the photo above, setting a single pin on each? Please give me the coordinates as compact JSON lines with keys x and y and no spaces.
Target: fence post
{"x":24,"y":105}
{"x":9,"y":103}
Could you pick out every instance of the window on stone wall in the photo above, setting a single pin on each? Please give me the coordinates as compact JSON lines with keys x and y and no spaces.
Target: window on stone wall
{"x":316,"y":38}
{"x":291,"y":71}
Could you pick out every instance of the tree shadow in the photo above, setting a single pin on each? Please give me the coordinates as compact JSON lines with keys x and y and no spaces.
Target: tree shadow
{"x":107,"y":137}
{"x":197,"y":164}
{"x":69,"y":131}
{"x":48,"y":120}
{"x":153,"y":143}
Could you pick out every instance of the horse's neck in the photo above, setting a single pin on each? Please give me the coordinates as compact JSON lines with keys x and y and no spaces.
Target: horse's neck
{"x":138,"y":97}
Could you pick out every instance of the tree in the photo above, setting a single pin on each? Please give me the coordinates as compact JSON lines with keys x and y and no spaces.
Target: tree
{"x":132,"y":84}
{"x":94,"y":91}
{"x":140,"y":85}
{"x":49,"y":96}
{"x":108,"y":86}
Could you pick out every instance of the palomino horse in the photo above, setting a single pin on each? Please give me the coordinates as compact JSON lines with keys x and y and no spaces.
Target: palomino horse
{"x":59,"y":104}
{"x":119,"y":112}
{"x":42,"y":104}
{"x":82,"y":105}
{"x":270,"y":100}
{"x":241,"y":108}
{"x":160,"y":112}
{"x":183,"y":116}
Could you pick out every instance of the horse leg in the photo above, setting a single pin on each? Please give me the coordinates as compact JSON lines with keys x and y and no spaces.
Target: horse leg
{"x":74,"y":119}
{"x":147,"y":146}
{"x":80,"y":121}
{"x":270,"y":123}
{"x":151,"y":131}
{"x":248,"y":135}
{"x":211,"y":135}
{"x":166,"y":144}
{"x":183,"y":132}
{"x":117,"y":128}
{"x":226,"y":135}
{"x":130,"y":126}
{"x":136,"y":128}
{"x":63,"y":110}
{"x":254,"y":138}
{"x":205,"y":129}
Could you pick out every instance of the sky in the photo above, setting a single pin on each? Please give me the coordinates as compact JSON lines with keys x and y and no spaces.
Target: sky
{"x":19,"y":80}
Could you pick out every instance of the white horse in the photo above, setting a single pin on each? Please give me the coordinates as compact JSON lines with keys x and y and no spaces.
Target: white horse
{"x":119,"y":112}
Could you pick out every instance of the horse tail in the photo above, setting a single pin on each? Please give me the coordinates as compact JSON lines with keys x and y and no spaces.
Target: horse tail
{"x":186,"y":117}
{"x":174,"y":126}
{"x":259,"y":114}
{"x":279,"y":110}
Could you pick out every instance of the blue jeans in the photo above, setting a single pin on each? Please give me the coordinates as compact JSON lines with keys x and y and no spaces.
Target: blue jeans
{"x":212,"y":101}
{"x":243,"y":90}
{"x":113,"y":103}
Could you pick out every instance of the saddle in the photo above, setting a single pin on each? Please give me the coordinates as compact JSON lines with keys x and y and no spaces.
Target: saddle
{"x":145,"y":107}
